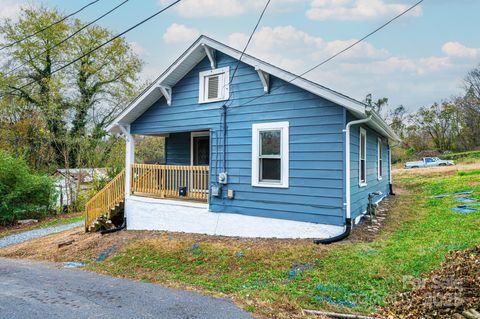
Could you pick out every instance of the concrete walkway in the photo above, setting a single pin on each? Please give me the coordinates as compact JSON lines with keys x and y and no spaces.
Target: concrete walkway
{"x":40,"y":290}
{"x":36,"y":233}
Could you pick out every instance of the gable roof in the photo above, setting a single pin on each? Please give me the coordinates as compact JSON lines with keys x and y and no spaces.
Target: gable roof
{"x":197,"y":52}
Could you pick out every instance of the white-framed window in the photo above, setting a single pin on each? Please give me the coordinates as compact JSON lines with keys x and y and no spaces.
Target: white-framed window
{"x":362,"y":161}
{"x":270,"y":160}
{"x":379,"y":159}
{"x":214,"y":85}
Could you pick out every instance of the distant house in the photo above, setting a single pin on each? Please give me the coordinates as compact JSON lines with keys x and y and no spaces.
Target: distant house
{"x":263,"y":155}
{"x":72,"y":180}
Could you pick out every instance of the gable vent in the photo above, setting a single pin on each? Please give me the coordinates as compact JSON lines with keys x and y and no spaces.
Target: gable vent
{"x":213,"y":82}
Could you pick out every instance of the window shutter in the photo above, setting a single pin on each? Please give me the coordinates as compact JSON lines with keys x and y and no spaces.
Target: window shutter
{"x":213,"y":82}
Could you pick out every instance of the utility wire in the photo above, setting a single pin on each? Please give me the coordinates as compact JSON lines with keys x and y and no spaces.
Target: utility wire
{"x":341,"y":51}
{"x":250,"y":39}
{"x":101,"y":45}
{"x":49,"y":26}
{"x":67,"y":38}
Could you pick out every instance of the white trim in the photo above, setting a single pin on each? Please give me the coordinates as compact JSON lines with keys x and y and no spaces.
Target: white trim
{"x":192,"y":135}
{"x":129,"y":158}
{"x":180,"y":216}
{"x":223,"y":85}
{"x":284,"y":153}
{"x":360,"y":182}
{"x":211,"y":56}
{"x":265,"y":78}
{"x":167,"y":93}
{"x":348,"y":162}
{"x":379,"y":159}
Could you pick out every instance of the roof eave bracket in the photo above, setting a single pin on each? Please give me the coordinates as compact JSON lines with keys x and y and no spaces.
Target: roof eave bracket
{"x":265,"y":78}
{"x":211,"y":56}
{"x":167,"y":93}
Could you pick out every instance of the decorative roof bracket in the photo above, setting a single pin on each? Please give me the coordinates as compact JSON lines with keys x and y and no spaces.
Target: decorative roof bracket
{"x":265,"y":78}
{"x":211,"y":55}
{"x":167,"y":93}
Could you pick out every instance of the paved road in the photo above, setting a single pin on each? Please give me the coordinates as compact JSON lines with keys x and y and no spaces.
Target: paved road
{"x":40,"y":290}
{"x":36,"y":233}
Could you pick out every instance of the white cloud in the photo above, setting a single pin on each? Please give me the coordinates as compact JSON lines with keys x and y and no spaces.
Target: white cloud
{"x":228,"y":8}
{"x":291,"y":48}
{"x":10,"y":9}
{"x":458,"y":50}
{"x":393,"y":64}
{"x":178,"y":33}
{"x":355,"y":9}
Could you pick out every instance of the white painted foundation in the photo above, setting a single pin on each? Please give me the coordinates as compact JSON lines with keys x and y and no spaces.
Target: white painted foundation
{"x":170,"y":215}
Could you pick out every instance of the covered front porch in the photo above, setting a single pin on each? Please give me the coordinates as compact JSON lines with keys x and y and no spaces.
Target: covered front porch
{"x":183,"y":173}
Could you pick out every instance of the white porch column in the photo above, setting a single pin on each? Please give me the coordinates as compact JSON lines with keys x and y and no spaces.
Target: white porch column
{"x":129,"y":159}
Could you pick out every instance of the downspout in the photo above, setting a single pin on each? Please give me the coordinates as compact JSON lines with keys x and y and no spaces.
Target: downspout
{"x":348,"y":218}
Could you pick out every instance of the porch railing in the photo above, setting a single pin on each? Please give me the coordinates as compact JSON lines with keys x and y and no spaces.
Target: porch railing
{"x":170,"y":181}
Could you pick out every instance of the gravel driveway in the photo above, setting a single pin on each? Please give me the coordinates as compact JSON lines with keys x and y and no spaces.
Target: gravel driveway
{"x":36,"y":233}
{"x":40,"y":290}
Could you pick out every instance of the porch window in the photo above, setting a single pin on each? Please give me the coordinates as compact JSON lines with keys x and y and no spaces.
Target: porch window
{"x":270,"y":154}
{"x":362,"y":174}
{"x":214,"y":85}
{"x":380,"y":159}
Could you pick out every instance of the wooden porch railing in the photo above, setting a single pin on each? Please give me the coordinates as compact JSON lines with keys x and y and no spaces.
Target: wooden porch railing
{"x":105,"y":200}
{"x":167,"y":181}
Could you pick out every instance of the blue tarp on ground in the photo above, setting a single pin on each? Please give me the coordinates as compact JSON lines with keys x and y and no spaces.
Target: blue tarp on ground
{"x":466,"y":200}
{"x":464,"y":209}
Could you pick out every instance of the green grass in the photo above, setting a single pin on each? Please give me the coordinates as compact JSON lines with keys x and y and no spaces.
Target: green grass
{"x":353,"y":276}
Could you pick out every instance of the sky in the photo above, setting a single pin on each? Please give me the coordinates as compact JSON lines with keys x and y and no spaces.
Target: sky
{"x":420,"y":59}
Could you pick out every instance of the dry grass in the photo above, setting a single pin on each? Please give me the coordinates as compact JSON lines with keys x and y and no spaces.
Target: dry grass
{"x":366,"y":268}
{"x":437,"y":171}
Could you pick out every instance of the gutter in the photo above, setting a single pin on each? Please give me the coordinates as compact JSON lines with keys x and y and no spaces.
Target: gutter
{"x":348,"y":217}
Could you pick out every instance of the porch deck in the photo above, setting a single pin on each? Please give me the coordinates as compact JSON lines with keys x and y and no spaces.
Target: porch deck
{"x":170,"y":181}
{"x":184,"y":182}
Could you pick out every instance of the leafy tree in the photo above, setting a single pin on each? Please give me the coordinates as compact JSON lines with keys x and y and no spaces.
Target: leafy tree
{"x":23,"y":194}
{"x":73,"y":106}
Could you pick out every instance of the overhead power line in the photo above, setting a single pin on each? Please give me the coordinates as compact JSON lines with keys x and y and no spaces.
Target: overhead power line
{"x":250,"y":38}
{"x":67,"y":38}
{"x":101,"y":45}
{"x":341,"y":51}
{"x":49,"y":26}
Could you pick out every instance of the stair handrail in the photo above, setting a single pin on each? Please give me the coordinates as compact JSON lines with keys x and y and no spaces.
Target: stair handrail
{"x":112,"y":194}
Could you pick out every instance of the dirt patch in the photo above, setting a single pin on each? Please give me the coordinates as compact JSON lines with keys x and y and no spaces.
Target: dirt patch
{"x":453,"y":288}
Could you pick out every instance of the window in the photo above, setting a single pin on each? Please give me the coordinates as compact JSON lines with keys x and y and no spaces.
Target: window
{"x":380,"y":159}
{"x":270,"y":154}
{"x":214,"y":85}
{"x":363,"y":158}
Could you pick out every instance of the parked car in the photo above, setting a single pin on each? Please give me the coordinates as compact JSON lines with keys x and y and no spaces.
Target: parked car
{"x":429,"y":162}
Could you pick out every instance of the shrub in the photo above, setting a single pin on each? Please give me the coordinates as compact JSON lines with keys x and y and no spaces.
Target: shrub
{"x":23,"y":194}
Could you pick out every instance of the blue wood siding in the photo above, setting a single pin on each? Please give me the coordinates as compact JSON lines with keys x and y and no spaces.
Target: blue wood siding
{"x":177,"y":149}
{"x":359,"y":195}
{"x":316,"y":185}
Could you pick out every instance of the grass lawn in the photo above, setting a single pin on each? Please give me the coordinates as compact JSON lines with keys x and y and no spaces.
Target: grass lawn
{"x":276,"y":278}
{"x":47,"y":222}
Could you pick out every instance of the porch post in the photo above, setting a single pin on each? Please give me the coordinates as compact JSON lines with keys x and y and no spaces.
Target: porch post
{"x":129,"y":159}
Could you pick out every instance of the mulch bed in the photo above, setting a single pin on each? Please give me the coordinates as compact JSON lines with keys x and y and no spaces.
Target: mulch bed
{"x":452,"y":289}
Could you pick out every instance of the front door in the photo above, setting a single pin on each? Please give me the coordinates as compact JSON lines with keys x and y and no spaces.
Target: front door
{"x":200,"y":148}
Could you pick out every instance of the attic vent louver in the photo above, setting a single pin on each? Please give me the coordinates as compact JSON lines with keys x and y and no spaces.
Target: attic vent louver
{"x":213,"y":87}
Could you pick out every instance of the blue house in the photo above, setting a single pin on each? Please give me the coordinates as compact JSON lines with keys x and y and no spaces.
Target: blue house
{"x":262,"y":153}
